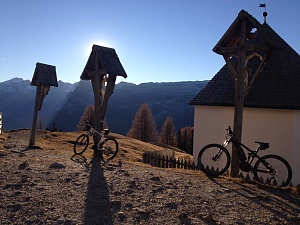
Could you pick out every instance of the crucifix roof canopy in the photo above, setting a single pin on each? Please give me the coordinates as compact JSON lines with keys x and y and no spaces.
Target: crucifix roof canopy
{"x":108,"y":63}
{"x":44,"y":74}
{"x":229,"y":43}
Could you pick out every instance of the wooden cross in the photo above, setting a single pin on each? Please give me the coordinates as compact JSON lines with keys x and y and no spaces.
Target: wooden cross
{"x":102,"y":68}
{"x":236,"y":42}
{"x":44,"y":76}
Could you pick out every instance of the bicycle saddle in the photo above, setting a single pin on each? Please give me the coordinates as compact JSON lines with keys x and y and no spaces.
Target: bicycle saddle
{"x":106,"y":131}
{"x":262,"y":145}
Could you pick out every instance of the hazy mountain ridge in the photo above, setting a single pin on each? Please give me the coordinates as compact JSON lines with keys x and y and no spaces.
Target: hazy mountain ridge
{"x":164,"y":99}
{"x":17,"y":101}
{"x":66,"y":103}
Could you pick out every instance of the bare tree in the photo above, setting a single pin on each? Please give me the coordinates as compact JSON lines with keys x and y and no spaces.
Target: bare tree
{"x":143,"y":125}
{"x":167,"y":133}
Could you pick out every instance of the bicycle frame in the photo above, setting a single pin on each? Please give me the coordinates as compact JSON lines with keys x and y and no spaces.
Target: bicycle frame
{"x":93,"y":131}
{"x":237,"y":145}
{"x":251,"y":154}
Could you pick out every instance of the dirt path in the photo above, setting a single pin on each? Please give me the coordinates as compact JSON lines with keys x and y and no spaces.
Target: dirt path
{"x":48,"y":185}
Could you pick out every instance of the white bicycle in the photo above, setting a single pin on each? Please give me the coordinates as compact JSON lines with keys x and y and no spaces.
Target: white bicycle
{"x":107,"y":146}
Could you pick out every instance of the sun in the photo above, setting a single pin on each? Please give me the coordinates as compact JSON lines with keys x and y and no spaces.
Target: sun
{"x":100,"y":43}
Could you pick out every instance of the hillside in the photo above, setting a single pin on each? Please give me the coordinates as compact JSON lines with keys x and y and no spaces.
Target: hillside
{"x":66,"y":103}
{"x":47,"y":184}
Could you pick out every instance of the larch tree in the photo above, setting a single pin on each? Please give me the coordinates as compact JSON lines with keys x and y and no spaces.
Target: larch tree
{"x":87,"y":115}
{"x":167,"y":133}
{"x":143,"y":125}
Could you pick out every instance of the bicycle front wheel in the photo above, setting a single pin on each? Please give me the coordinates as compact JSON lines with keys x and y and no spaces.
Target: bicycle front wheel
{"x":273,"y":170}
{"x":109,"y":149}
{"x":214,"y":160}
{"x":81,"y":144}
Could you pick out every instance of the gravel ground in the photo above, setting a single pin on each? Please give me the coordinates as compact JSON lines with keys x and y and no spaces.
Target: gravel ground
{"x":40,"y":186}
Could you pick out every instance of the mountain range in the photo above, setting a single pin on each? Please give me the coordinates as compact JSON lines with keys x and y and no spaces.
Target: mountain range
{"x":65,"y":104}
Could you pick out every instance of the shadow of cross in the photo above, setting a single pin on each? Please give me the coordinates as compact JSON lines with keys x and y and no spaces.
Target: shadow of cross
{"x":98,"y":208}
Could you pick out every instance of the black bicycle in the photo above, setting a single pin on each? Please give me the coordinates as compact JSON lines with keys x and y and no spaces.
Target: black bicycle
{"x":107,"y":146}
{"x":214,"y":160}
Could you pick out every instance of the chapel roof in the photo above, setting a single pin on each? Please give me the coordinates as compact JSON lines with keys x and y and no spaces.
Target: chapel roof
{"x":276,"y":86}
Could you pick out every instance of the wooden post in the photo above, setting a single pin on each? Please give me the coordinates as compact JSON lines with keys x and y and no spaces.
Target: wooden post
{"x":239,"y":100}
{"x":39,"y":97}
{"x":101,"y":96}
{"x":97,"y":83}
{"x":0,"y":122}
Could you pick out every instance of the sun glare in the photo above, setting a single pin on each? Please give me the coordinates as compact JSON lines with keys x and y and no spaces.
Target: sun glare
{"x":100,"y":43}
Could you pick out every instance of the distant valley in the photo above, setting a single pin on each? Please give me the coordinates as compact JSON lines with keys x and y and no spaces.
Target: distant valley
{"x":66,"y":103}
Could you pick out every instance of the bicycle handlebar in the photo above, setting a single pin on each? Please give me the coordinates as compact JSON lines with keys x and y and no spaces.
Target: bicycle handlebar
{"x":229,"y":130}
{"x":89,"y":123}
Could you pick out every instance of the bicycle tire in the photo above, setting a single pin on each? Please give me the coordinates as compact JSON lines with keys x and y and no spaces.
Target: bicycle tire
{"x":281,"y":176}
{"x":209,"y":165}
{"x":109,"y":149}
{"x":81,"y":144}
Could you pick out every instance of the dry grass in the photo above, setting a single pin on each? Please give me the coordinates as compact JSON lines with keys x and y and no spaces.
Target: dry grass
{"x":130,"y":150}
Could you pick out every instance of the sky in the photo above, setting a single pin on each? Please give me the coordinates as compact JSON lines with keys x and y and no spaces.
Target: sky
{"x":156,"y":41}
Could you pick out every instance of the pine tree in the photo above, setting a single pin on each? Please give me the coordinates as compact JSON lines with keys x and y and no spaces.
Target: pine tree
{"x":167,"y":134}
{"x":143,"y":125}
{"x":182,"y":139}
{"x":185,"y":139}
{"x":190,"y":140}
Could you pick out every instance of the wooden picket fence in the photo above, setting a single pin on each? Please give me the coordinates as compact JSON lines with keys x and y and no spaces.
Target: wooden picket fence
{"x":155,"y":159}
{"x":158,"y":160}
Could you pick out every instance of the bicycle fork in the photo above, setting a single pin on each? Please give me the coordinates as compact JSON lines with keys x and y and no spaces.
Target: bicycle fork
{"x":217,"y":156}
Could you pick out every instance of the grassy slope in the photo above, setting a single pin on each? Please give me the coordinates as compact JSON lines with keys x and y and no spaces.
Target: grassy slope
{"x":130,"y":150}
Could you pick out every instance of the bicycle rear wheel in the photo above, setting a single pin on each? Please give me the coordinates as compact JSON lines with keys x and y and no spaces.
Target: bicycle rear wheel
{"x":81,"y":144}
{"x":273,"y":170}
{"x":109,"y":149}
{"x":214,"y":160}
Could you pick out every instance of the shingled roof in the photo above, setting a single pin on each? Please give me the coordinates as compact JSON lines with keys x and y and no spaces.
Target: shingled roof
{"x":108,"y":62}
{"x":277,"y":86}
{"x":44,"y":74}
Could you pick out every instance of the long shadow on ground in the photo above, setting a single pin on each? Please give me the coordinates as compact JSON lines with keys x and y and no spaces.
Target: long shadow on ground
{"x":97,"y":209}
{"x":267,"y":196}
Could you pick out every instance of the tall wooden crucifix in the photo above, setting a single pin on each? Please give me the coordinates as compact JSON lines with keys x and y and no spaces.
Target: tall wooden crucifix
{"x":44,"y":76}
{"x":238,"y":46}
{"x":102,"y":68}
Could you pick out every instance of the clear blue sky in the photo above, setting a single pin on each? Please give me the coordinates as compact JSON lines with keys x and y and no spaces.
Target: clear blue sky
{"x":156,"y":41}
